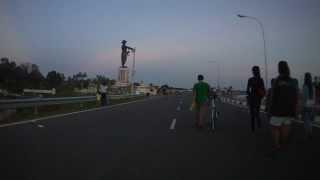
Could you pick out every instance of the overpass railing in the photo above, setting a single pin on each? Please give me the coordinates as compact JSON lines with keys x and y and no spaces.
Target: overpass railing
{"x":243,"y":103}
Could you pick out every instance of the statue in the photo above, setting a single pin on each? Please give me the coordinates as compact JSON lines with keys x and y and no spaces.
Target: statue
{"x":125,"y":53}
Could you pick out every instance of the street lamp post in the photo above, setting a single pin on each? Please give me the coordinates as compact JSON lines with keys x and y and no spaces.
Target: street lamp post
{"x":133,"y":71}
{"x":264,"y":45}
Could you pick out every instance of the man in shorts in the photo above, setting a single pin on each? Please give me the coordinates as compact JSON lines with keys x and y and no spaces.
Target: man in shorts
{"x":201,"y":98}
{"x":284,"y":100}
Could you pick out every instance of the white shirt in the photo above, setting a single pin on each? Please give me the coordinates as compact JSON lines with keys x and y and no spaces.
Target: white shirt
{"x":103,"y":89}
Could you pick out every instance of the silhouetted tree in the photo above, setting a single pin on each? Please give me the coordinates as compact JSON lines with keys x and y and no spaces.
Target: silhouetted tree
{"x":78,"y":80}
{"x":101,"y":79}
{"x":21,"y":76}
{"x":14,"y":78}
{"x":35,"y":77}
{"x":54,"y":79}
{"x":5,"y":72}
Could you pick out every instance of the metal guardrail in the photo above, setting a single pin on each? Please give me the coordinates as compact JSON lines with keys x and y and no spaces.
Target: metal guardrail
{"x":243,"y":103}
{"x":234,"y":101}
{"x":20,"y":103}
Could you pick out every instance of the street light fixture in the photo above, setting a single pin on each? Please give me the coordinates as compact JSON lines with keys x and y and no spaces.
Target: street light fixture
{"x":241,"y":16}
{"x":264,"y":45}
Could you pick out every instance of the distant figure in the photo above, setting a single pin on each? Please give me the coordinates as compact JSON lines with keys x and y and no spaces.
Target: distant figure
{"x":103,"y":92}
{"x":229,"y":91}
{"x":125,"y":53}
{"x":201,"y":98}
{"x":308,"y":104}
{"x":284,"y":105}
{"x":317,"y":90}
{"x":255,"y":91}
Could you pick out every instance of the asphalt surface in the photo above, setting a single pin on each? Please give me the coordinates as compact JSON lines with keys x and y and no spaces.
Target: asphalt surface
{"x":134,"y":141}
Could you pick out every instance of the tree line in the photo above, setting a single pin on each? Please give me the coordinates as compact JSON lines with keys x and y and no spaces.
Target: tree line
{"x":16,"y":77}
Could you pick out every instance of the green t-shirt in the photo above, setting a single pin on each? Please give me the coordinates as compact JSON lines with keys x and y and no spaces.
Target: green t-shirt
{"x":202,"y":91}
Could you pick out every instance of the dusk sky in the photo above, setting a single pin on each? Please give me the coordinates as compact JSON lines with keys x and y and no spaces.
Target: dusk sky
{"x":175,"y":40}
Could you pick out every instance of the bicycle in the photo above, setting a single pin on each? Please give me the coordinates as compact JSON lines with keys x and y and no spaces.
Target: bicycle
{"x":213,"y":114}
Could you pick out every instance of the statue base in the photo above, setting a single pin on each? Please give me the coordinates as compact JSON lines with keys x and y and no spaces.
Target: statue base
{"x":123,"y":75}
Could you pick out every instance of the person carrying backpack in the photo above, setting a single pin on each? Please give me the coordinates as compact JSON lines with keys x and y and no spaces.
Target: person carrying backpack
{"x":284,"y":105}
{"x":255,"y":92}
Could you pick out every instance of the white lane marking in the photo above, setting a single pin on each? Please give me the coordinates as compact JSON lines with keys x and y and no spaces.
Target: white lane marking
{"x":173,"y":124}
{"x":40,"y":126}
{"x":68,"y":114}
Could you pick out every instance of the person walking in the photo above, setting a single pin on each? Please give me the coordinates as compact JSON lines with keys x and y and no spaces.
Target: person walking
{"x":103,"y":92}
{"x":201,"y":99}
{"x":255,"y":92}
{"x":317,"y":90}
{"x":284,"y":105}
{"x":308,"y":104}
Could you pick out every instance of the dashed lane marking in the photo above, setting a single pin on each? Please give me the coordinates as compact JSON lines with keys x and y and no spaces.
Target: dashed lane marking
{"x":173,"y":124}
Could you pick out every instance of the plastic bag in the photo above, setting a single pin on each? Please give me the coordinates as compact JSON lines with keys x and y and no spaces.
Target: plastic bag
{"x":98,"y":97}
{"x":193,"y":106}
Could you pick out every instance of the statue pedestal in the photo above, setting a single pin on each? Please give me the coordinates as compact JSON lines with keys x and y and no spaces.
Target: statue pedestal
{"x":123,"y":77}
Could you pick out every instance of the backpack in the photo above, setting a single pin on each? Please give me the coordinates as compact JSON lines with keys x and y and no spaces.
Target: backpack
{"x":284,"y":97}
{"x":258,"y":89}
{"x":260,"y":92}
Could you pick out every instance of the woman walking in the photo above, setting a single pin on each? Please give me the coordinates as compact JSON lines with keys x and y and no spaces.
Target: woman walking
{"x":283,"y":105}
{"x":308,"y":103}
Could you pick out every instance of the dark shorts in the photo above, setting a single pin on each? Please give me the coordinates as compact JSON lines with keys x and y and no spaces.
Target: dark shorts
{"x":202,"y":104}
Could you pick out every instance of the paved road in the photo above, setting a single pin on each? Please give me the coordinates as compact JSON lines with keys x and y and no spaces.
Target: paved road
{"x":134,"y":141}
